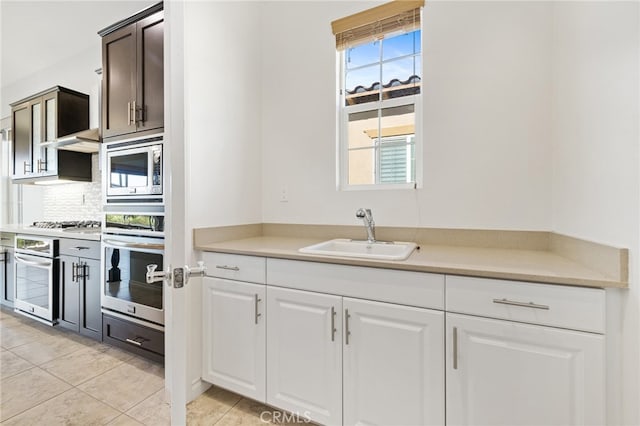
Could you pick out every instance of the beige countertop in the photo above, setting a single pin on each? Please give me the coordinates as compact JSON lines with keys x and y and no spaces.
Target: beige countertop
{"x":524,"y":265}
{"x":94,"y":235}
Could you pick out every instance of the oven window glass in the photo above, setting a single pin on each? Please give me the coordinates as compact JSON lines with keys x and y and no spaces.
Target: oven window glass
{"x":126,"y":271}
{"x":32,"y":284}
{"x":129,"y":171}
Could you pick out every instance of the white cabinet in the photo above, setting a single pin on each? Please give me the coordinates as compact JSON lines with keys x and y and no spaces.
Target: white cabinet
{"x":393,"y":364}
{"x":506,"y":373}
{"x":234,"y":336}
{"x":502,"y":371}
{"x":342,"y":359}
{"x":304,"y":354}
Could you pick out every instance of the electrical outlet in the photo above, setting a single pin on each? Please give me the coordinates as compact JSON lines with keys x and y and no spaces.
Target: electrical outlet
{"x":284,"y":194}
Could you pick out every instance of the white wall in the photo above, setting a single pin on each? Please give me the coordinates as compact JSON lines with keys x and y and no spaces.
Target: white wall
{"x":223,"y":89}
{"x":596,"y":167}
{"x":486,"y":118}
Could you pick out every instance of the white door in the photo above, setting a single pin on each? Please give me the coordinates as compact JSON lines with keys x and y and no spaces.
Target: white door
{"x":233,"y":336}
{"x":393,"y":364}
{"x":304,"y":354}
{"x":508,"y":373}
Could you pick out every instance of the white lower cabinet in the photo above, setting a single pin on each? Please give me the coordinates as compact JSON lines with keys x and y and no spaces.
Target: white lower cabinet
{"x":508,"y":373}
{"x":393,"y":364}
{"x":304,"y":354}
{"x":234,"y":336}
{"x":373,"y":363}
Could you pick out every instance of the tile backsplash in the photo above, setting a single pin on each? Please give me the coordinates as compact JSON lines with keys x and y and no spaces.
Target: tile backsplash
{"x":75,"y":201}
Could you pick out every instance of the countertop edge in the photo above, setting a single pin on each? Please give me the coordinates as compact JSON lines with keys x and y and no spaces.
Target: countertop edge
{"x":472,"y":272}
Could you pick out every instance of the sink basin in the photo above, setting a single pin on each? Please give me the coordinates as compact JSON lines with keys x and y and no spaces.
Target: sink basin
{"x":354,"y":248}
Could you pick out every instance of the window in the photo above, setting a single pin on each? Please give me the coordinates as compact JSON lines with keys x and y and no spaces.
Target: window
{"x":380,"y":86}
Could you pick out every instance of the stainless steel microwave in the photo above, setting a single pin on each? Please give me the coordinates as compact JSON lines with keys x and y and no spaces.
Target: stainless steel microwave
{"x":134,"y":171}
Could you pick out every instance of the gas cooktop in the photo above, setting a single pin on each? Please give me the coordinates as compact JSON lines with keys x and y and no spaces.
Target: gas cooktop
{"x":68,"y":224}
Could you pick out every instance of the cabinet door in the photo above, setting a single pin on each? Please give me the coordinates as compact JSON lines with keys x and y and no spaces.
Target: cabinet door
{"x":234,"y":336}
{"x":304,"y":354}
{"x":150,"y":71}
{"x":508,"y":373}
{"x":69,"y":293}
{"x":21,"y":140}
{"x":119,"y":81}
{"x":37,"y":135}
{"x":393,"y":364}
{"x":48,"y":159}
{"x":90,"y":308}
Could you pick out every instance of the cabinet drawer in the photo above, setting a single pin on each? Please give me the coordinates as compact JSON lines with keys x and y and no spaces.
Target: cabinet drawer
{"x":135,"y":338}
{"x":576,"y":308}
{"x":80,"y":248}
{"x":385,"y":285}
{"x":235,"y":267}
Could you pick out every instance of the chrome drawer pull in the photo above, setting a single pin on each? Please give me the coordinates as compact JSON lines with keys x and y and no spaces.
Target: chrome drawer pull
{"x":79,"y":248}
{"x":228,"y":268}
{"x":521,"y":304}
{"x":135,"y":342}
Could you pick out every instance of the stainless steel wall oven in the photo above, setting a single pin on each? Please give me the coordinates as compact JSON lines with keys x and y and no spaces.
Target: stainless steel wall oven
{"x":124,"y":287}
{"x":36,"y":275}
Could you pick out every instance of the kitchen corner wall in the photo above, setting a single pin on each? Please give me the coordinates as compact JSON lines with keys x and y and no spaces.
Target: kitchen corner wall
{"x":596,"y":164}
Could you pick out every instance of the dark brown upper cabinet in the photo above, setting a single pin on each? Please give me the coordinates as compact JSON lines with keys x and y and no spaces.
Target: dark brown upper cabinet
{"x":133,"y":74}
{"x":43,"y":118}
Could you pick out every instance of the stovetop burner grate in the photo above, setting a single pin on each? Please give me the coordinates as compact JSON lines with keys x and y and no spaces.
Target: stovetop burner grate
{"x":67,"y":224}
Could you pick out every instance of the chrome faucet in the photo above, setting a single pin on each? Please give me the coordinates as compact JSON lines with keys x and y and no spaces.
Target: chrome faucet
{"x":367,"y":217}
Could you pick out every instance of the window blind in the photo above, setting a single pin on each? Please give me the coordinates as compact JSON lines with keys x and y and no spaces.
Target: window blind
{"x":372,"y":24}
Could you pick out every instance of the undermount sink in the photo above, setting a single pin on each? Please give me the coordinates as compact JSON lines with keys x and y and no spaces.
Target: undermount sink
{"x":355,"y":248}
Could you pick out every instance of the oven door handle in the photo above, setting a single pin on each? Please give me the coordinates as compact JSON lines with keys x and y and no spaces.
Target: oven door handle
{"x":135,"y":245}
{"x":45,"y":264}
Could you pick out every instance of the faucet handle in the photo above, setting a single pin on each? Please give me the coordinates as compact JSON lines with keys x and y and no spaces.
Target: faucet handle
{"x":361,"y":214}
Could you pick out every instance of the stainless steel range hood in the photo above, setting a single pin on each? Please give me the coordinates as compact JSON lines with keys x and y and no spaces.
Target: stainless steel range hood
{"x":83,"y":141}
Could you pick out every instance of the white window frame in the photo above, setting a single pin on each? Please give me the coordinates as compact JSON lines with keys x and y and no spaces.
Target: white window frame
{"x":342,"y":120}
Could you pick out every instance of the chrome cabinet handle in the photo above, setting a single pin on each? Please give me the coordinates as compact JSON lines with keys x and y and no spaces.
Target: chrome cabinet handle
{"x":135,"y":114}
{"x":455,"y":348}
{"x":42,"y":166}
{"x":79,"y":248}
{"x":347,"y":333}
{"x":25,"y":166}
{"x":128,"y":113}
{"x":521,"y":304}
{"x":74,"y":272}
{"x":256,"y":300}
{"x":333,"y":324}
{"x":228,"y":268}
{"x":134,"y":342}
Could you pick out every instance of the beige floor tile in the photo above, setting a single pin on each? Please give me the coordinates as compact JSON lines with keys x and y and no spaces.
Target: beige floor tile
{"x":127,"y":384}
{"x":125,"y":420}
{"x":85,"y":363}
{"x":247,"y":412}
{"x":26,"y":390}
{"x":14,"y":335}
{"x":45,"y":350}
{"x":211,"y":406}
{"x":11,"y":364}
{"x":153,"y":411}
{"x":72,"y":407}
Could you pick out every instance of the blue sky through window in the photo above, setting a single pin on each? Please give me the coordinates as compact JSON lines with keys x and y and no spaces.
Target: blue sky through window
{"x":396,"y":57}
